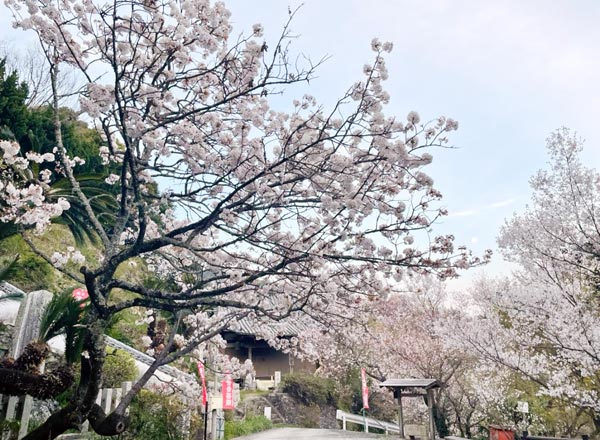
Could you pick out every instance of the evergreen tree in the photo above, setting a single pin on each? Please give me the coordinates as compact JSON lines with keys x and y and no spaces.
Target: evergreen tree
{"x":13,"y":109}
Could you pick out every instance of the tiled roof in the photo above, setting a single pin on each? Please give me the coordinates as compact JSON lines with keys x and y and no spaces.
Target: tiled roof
{"x":284,"y":328}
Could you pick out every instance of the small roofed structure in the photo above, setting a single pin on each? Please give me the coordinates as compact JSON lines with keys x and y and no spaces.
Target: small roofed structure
{"x":413,"y":388}
{"x":247,"y":339}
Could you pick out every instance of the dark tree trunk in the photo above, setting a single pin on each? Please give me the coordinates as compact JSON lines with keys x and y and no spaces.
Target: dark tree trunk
{"x":82,"y":405}
{"x":439,"y":418}
{"x":113,"y":424}
{"x":59,"y":422}
{"x":468,"y":426}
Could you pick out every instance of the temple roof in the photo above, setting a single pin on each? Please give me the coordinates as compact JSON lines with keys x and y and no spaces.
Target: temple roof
{"x":284,"y":328}
{"x":425,"y":384}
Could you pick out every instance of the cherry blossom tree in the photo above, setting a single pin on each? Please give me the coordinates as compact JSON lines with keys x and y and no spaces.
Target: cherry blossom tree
{"x":244,"y":210}
{"x":411,"y":334}
{"x":557,"y":237}
{"x":531,"y":329}
{"x":542,"y":322}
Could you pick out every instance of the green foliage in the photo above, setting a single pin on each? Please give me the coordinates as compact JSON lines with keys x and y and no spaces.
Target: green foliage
{"x":310,"y":389}
{"x":9,"y":429}
{"x":82,"y":141}
{"x":78,"y":138}
{"x":6,"y":265}
{"x":350,"y":393}
{"x":61,"y":317}
{"x":547,"y":415}
{"x":154,"y":416}
{"x":101,"y":200}
{"x":33,"y":129}
{"x":123,"y":327}
{"x":381,"y":404}
{"x":119,"y":366}
{"x":29,"y":272}
{"x":13,"y":110}
{"x":249,"y":425}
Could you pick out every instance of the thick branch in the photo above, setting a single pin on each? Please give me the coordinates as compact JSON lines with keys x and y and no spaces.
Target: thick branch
{"x":41,"y":386}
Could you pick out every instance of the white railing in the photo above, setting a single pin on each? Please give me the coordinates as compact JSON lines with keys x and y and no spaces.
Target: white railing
{"x":367,"y":422}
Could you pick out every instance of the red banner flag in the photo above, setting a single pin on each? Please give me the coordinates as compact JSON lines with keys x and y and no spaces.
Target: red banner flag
{"x":203,"y":381}
{"x":365,"y":388}
{"x":227,"y":392}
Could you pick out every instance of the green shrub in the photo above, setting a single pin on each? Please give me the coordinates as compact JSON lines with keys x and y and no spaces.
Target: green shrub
{"x":9,"y":429}
{"x":122,"y":327}
{"x":119,"y":367}
{"x":154,"y":416}
{"x":382,"y":405}
{"x":309,"y":389}
{"x":249,"y":425}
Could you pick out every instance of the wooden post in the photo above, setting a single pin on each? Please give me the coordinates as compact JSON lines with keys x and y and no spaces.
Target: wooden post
{"x":206,"y":420}
{"x":431,"y":418}
{"x":400,"y":415}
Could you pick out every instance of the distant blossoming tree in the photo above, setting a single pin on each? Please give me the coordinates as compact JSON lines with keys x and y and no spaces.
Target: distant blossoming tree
{"x":543,"y":322}
{"x":412,"y":334}
{"x":245,"y":210}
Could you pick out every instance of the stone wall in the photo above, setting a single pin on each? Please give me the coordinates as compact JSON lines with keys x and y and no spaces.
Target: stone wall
{"x":285,"y":409}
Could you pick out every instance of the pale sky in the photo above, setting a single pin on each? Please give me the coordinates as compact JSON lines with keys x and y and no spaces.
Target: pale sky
{"x":509,"y":71}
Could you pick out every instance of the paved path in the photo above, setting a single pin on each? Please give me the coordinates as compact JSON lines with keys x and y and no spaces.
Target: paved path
{"x":312,"y":434}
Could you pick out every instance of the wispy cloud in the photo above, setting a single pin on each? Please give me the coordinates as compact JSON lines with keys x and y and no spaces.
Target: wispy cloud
{"x":488,"y":207}
{"x":502,"y":203}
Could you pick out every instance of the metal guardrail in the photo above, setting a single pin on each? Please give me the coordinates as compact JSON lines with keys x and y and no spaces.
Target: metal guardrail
{"x":367,"y":422}
{"x":525,"y":436}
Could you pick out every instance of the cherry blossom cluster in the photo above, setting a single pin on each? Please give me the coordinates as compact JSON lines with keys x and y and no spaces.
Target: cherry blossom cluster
{"x":72,"y":255}
{"x":24,"y":199}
